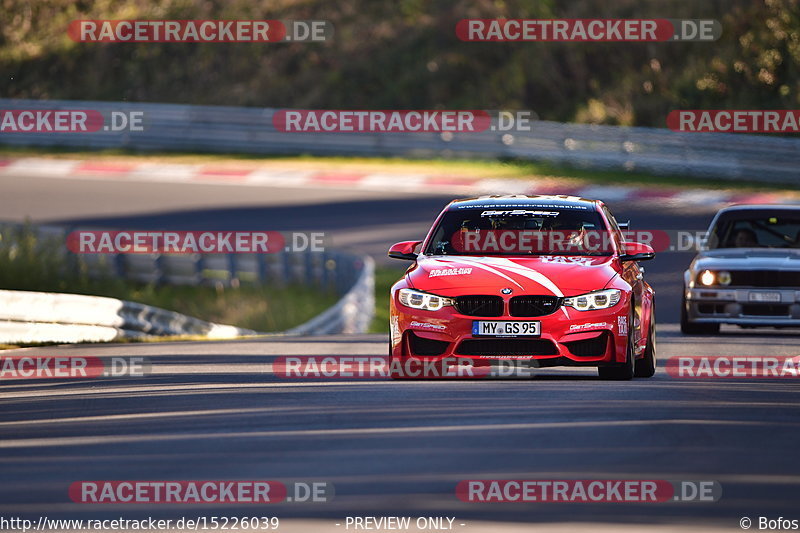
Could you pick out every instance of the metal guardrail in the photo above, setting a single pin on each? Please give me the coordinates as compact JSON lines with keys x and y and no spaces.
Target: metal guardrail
{"x":173,"y":127}
{"x":349,"y":315}
{"x":334,"y":270}
{"x":27,"y":316}
{"x":350,"y":276}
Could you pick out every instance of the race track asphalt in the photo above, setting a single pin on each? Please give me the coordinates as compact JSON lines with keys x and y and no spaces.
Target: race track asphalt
{"x":215,"y":410}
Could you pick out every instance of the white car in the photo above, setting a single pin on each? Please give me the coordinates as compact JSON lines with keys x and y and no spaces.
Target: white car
{"x":748,"y":273}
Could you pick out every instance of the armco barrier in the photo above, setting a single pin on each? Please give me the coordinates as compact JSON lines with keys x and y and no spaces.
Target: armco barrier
{"x":351,"y":276}
{"x":27,"y":316}
{"x":172,"y":127}
{"x":348,"y":315}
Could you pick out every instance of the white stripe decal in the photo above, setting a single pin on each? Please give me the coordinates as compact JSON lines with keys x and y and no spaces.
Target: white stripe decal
{"x":531,"y":274}
{"x":527,"y":272}
{"x":488,"y":269}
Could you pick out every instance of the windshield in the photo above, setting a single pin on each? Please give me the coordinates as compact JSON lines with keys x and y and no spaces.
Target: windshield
{"x":756,"y":230}
{"x":521,"y":230}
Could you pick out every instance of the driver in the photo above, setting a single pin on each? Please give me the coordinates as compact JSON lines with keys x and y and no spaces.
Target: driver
{"x":745,"y":238}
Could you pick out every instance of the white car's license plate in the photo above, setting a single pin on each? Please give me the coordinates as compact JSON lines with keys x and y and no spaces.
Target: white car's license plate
{"x":764,"y":296}
{"x":506,"y":328}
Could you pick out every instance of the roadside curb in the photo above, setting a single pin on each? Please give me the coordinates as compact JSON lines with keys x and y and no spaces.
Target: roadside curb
{"x":400,"y":182}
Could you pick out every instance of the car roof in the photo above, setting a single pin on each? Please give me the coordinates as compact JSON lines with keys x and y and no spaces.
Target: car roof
{"x":524,"y":200}
{"x":761,"y":207}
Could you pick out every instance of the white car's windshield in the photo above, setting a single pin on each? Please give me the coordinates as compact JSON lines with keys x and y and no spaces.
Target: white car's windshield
{"x":774,"y":229}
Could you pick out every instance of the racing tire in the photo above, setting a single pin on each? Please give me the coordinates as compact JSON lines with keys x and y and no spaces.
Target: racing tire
{"x":692,"y":328}
{"x":620,"y":371}
{"x":646,"y":366}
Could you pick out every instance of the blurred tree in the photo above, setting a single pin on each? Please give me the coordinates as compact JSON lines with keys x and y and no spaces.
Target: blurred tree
{"x":404,"y":54}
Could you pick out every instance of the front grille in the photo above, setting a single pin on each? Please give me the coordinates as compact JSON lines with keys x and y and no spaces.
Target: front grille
{"x":764,"y":278}
{"x":589,"y":347}
{"x":480,"y":305}
{"x":507,"y":347}
{"x":423,"y":346}
{"x":533,"y":305}
{"x":765,"y":310}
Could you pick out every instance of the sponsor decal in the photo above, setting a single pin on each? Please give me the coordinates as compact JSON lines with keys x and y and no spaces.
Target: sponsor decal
{"x":427,"y":325}
{"x":519,"y":212}
{"x":572,"y":260}
{"x":528,"y":205}
{"x":394,"y":330}
{"x":449,"y":272}
{"x":622,"y":324}
{"x":590,"y":325}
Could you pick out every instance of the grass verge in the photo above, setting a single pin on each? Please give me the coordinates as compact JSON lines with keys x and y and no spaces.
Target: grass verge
{"x":28,"y":263}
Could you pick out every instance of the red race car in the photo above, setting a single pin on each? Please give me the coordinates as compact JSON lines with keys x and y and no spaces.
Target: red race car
{"x":539,"y":280}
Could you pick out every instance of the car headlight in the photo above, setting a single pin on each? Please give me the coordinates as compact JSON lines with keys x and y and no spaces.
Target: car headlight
{"x":724,"y":277}
{"x":594,"y":300}
{"x":423,"y":300}
{"x":706,"y":278}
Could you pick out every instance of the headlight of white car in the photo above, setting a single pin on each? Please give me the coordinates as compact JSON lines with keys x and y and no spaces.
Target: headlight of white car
{"x":709,"y":277}
{"x":706,"y":278}
{"x":423,"y":300}
{"x":594,"y":300}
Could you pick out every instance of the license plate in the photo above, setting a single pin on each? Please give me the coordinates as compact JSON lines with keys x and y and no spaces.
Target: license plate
{"x":764,"y":296}
{"x":506,"y":328}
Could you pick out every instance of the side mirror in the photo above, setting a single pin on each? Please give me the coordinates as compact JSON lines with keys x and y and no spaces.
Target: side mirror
{"x":404,"y":250}
{"x":636,"y":251}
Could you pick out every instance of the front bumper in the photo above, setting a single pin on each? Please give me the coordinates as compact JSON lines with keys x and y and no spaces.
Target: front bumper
{"x":568,"y":337}
{"x":743,"y":306}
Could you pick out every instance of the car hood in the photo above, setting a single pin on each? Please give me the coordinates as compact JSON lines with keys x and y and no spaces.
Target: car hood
{"x":562,"y":276}
{"x":749,"y":259}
